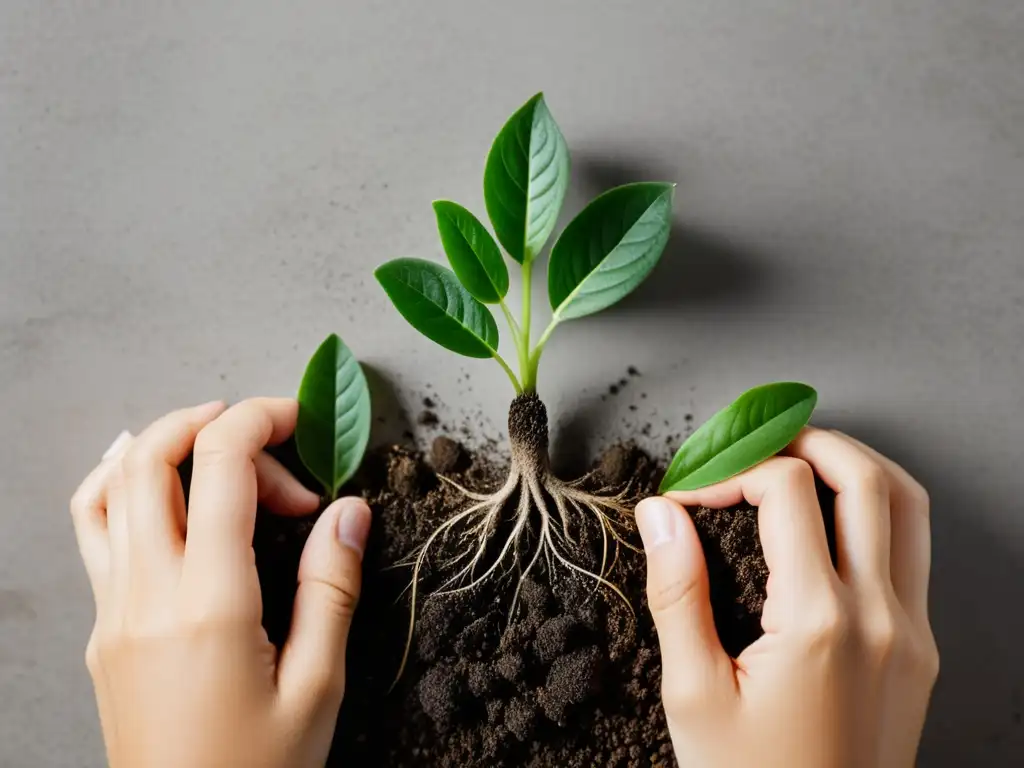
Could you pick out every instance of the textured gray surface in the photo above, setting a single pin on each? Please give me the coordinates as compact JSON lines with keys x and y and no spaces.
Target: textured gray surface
{"x":193,"y":194}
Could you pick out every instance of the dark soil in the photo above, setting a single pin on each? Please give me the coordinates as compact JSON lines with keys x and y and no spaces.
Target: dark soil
{"x":572,"y":681}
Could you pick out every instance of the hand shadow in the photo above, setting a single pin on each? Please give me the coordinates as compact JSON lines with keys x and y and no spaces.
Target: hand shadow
{"x":976,"y":590}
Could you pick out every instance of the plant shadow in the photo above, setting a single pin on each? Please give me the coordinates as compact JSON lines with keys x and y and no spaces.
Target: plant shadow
{"x":698,"y":268}
{"x":391,"y":420}
{"x":573,"y":437}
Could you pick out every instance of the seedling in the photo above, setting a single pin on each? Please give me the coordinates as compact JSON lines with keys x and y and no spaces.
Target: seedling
{"x":601,"y":256}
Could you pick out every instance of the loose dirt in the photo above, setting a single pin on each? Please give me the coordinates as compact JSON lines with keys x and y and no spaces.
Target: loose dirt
{"x":572,"y":680}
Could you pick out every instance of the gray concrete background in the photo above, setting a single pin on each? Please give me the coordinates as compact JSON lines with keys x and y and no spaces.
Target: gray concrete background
{"x":193,"y":194}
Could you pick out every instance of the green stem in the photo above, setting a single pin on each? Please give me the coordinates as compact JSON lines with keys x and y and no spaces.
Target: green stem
{"x":512,"y":324}
{"x":511,"y":375}
{"x":533,"y":358}
{"x":529,"y":381}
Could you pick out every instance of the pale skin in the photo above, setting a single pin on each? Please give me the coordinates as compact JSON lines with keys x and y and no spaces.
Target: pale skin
{"x":185,"y":675}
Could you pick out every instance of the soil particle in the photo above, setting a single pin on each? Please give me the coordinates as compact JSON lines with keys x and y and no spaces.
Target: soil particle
{"x":553,"y":637}
{"x":428,"y":419}
{"x":617,"y":463}
{"x":481,"y":678}
{"x":572,"y":679}
{"x":429,"y":403}
{"x":404,"y":476}
{"x":439,"y":693}
{"x":447,"y":455}
{"x":632,"y":371}
{"x":510,"y":666}
{"x":520,"y":718}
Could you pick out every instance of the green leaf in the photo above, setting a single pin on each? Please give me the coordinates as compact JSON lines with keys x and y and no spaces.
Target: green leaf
{"x":525,"y":180}
{"x":759,"y":424}
{"x":609,"y":248}
{"x":434,"y":302}
{"x":472,"y":252}
{"x":334,"y":415}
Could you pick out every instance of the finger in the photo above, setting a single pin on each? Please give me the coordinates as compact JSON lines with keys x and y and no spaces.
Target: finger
{"x":89,"y":515}
{"x":789,"y":522}
{"x":911,"y":552}
{"x":861,"y":506}
{"x":693,"y":661}
{"x":154,"y":498}
{"x":311,"y":671}
{"x":224,"y":492}
{"x":279,"y":491}
{"x":117,"y":536}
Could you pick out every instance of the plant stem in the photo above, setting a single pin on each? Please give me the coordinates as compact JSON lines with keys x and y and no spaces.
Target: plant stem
{"x":522,"y":349}
{"x":529,"y":381}
{"x":511,"y":374}
{"x":533,"y":358}
{"x":512,"y":324}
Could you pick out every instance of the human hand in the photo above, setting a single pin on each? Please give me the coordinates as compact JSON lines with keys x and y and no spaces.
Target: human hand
{"x":843,"y":674}
{"x":183,"y":671}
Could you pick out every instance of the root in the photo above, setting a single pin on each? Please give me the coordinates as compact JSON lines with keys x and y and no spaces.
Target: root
{"x":562,"y":508}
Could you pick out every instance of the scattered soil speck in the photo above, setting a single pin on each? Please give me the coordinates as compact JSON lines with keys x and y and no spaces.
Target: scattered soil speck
{"x":428,"y":419}
{"x":404,"y":476}
{"x":616,"y":464}
{"x":447,"y":455}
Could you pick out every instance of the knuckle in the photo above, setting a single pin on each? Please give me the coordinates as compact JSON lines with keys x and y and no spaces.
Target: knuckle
{"x":918,"y":495}
{"x":928,"y":658}
{"x":326,"y":683}
{"x":341,"y":595}
{"x":92,"y":656}
{"x":795,"y":470}
{"x":685,"y":697}
{"x":871,"y":477}
{"x":828,"y":624}
{"x":677,"y":699}
{"x":880,"y":637}
{"x":137,"y":461}
{"x":665,"y":595}
{"x":80,"y":502}
{"x":211,"y":449}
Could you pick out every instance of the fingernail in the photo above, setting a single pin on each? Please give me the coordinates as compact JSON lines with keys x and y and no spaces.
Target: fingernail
{"x":353,"y":523}
{"x":656,"y":519}
{"x":211,"y":408}
{"x":119,"y":444}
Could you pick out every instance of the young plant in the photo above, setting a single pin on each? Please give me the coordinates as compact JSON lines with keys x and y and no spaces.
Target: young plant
{"x":601,"y":256}
{"x":759,"y":424}
{"x":333,"y":426}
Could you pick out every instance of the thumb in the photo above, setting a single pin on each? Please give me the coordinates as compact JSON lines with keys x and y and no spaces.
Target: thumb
{"x":694,"y":664}
{"x":312,"y":665}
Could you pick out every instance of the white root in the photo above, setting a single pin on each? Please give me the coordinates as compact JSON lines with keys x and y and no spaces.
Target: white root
{"x":477,"y":524}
